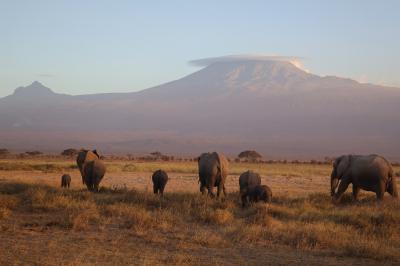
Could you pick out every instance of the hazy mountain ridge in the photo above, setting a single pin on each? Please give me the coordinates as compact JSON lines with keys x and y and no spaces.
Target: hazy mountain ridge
{"x":271,"y":106}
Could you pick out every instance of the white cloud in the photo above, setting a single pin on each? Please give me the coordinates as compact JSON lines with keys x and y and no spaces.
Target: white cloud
{"x":295,"y":60}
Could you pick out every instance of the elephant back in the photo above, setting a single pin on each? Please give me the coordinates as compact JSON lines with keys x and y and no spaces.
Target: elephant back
{"x":249,"y":180}
{"x":208,"y":165}
{"x":159,"y":176}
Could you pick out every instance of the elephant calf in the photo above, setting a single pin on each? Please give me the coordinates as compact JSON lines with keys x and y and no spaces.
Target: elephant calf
{"x":160,"y":179}
{"x":247,"y":183}
{"x":65,"y":181}
{"x":260,"y":193}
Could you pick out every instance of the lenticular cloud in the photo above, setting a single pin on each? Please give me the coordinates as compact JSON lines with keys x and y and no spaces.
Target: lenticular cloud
{"x":246,"y":57}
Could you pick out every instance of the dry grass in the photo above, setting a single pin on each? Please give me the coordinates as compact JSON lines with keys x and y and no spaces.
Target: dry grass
{"x":125,"y":225}
{"x":58,"y":165}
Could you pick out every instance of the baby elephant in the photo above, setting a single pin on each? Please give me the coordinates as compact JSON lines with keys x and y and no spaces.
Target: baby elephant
{"x":260,"y":193}
{"x":160,"y":179}
{"x":65,"y":181}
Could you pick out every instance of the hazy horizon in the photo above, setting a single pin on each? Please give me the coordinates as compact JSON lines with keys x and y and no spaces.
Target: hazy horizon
{"x":97,"y":47}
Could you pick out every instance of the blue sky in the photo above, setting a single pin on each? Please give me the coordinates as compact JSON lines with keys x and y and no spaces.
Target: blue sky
{"x":80,"y":47}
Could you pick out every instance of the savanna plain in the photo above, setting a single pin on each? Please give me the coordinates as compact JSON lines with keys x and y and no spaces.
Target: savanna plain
{"x":124,"y":223}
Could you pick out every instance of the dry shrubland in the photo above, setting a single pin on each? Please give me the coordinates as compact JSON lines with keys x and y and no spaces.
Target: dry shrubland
{"x":364,"y":229}
{"x":124,"y":225}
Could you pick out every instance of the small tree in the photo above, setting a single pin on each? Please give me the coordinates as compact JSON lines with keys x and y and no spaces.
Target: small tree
{"x":250,"y":155}
{"x":4,"y":152}
{"x":70,"y":152}
{"x":34,"y":153}
{"x":156,"y":154}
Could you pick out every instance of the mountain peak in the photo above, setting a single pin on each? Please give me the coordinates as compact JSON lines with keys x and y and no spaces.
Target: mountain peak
{"x":36,"y":89}
{"x":254,"y":75}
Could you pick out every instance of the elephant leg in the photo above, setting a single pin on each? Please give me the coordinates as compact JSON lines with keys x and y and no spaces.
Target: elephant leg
{"x":210,"y":187}
{"x":224,"y":190}
{"x":356,"y":190}
{"x":244,"y":200}
{"x":96,"y":184}
{"x":392,"y":188}
{"x":219,"y":190}
{"x":210,"y":191}
{"x":162,"y":190}
{"x":380,"y":191}
{"x":344,"y":183}
{"x":155,"y":190}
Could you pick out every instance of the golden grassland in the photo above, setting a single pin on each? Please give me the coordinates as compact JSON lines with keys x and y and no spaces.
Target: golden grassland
{"x":125,"y":223}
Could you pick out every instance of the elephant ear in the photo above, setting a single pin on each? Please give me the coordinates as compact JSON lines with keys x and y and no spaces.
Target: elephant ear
{"x":97,"y":154}
{"x":222,"y":163}
{"x":342,"y":165}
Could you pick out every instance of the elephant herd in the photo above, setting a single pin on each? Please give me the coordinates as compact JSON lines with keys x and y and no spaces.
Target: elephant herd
{"x":368,"y":172}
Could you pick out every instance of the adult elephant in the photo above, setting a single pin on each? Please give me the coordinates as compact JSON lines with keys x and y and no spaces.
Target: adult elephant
{"x":247,"y":183}
{"x":85,"y":156}
{"x":213,"y":170}
{"x":93,"y":174}
{"x":367,"y":172}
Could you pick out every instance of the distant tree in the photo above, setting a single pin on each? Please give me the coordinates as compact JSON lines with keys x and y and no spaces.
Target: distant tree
{"x":69,"y":152}
{"x":4,"y":152}
{"x":34,"y":153}
{"x":250,"y":155}
{"x":156,"y":153}
{"x":159,"y":156}
{"x":329,"y":159}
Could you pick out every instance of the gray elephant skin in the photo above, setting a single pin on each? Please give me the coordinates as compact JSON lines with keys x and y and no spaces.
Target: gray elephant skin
{"x":85,"y":156}
{"x":92,"y":169}
{"x":65,"y":181}
{"x":213,"y":171}
{"x":247,"y":183}
{"x":160,"y":179}
{"x":368,"y":172}
{"x":260,"y":193}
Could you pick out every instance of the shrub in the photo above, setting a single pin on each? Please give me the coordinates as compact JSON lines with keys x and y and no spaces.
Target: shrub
{"x":70,"y":152}
{"x":34,"y":153}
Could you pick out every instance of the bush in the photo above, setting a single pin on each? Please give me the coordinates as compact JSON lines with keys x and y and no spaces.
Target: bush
{"x":70,"y":152}
{"x":4,"y":152}
{"x":34,"y":153}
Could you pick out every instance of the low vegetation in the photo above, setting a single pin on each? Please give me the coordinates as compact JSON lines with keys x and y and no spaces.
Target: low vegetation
{"x":175,"y":167}
{"x":45,"y":224}
{"x":365,"y":229}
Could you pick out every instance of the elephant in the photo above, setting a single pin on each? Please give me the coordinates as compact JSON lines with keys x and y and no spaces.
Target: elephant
{"x":247,"y":182}
{"x":368,"y":172}
{"x":213,"y":171}
{"x":260,"y":193}
{"x":85,"y":156}
{"x":93,"y":174}
{"x":65,"y":181}
{"x":160,"y":179}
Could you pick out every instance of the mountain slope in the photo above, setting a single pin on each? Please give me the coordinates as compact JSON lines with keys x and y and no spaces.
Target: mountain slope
{"x":271,"y":106}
